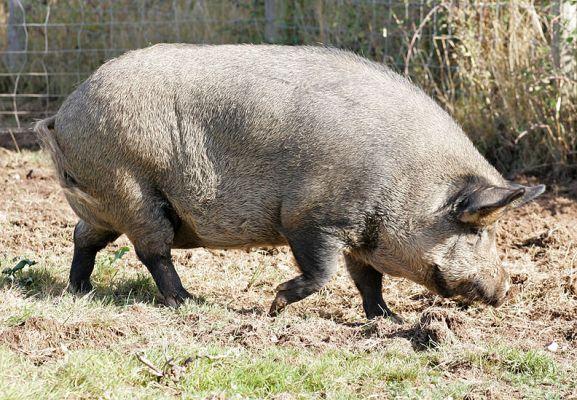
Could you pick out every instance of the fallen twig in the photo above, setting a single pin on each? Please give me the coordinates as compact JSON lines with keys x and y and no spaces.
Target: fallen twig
{"x":153,"y":369}
{"x":172,"y":370}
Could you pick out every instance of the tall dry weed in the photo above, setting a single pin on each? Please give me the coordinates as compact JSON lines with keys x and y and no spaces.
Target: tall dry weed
{"x":516,"y":104}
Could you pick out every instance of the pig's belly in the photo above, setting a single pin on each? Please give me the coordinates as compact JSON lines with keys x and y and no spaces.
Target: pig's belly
{"x":244,"y":211}
{"x":187,"y":238}
{"x":226,"y":231}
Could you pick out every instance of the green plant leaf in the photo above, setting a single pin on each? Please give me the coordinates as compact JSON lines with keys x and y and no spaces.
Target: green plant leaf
{"x":18,"y":267}
{"x":118,"y":254}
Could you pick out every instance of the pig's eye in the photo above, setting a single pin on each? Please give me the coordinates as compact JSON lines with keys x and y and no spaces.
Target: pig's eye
{"x":472,"y":239}
{"x":475,"y":230}
{"x":475,"y":235}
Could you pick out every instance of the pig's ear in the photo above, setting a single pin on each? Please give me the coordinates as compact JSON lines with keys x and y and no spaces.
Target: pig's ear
{"x":485,"y":205}
{"x":531,"y":193}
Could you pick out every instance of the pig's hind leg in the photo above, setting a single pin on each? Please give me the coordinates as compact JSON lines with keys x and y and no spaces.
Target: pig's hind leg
{"x":87,"y":242}
{"x":316,"y":255}
{"x":151,"y":231}
{"x":369,"y":282}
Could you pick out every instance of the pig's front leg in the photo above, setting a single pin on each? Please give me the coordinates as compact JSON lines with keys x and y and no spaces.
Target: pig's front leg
{"x":369,"y":282}
{"x":316,"y":254}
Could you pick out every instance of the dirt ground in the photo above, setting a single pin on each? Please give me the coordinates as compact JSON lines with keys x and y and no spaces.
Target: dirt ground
{"x":538,"y":245}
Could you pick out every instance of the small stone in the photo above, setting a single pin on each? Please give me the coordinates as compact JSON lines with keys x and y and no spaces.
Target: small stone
{"x":519,"y":278}
{"x":553,"y":347}
{"x":571,"y":281}
{"x":64,"y":349}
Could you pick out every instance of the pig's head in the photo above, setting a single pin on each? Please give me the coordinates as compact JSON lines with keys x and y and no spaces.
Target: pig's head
{"x":463,"y":258}
{"x":453,"y":252}
{"x":461,"y":254}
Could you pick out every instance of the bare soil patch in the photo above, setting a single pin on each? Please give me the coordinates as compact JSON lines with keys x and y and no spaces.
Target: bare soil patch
{"x":43,"y":338}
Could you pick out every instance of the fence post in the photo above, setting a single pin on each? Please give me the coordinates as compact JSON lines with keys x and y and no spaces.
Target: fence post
{"x":16,"y":36}
{"x":569,"y":53}
{"x":319,"y":11}
{"x":273,"y":12}
{"x":200,"y":16}
{"x":563,"y":49}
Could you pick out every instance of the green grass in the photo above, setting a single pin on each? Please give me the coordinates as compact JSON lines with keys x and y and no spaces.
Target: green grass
{"x":334,"y":374}
{"x":19,"y":317}
{"x":529,"y":371}
{"x":92,"y":362}
{"x":92,"y":373}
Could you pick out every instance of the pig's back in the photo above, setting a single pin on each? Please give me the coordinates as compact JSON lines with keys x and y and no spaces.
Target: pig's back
{"x":245,"y":133}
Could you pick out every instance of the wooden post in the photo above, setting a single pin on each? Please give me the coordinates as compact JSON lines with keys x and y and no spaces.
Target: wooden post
{"x":274,"y":12}
{"x":569,"y":49}
{"x":319,"y":11}
{"x":556,"y":40}
{"x":564,"y":53}
{"x":16,"y":36}
{"x":200,"y":15}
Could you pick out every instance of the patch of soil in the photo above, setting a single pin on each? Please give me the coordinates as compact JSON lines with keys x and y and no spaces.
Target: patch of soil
{"x":42,"y":338}
{"x":438,"y":326}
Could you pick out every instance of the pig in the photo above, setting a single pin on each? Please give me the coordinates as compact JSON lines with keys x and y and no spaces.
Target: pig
{"x":231,"y":146}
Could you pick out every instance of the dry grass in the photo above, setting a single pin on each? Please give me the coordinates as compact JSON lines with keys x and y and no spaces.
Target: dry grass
{"x":223,"y":344}
{"x":517,"y":105}
{"x":492,"y":66}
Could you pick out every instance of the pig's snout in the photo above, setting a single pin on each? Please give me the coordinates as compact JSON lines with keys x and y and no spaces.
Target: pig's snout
{"x":492,"y":289}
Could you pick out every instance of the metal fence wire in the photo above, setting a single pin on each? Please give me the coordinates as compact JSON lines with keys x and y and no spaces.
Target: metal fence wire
{"x":50,"y":46}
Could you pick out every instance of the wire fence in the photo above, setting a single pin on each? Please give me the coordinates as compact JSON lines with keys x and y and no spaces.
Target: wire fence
{"x":53,"y":45}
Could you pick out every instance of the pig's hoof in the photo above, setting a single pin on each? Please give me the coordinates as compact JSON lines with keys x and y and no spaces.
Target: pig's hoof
{"x":385,"y":312}
{"x":174,"y":300}
{"x":392,"y":317}
{"x":278,"y":304}
{"x":81,"y":287}
{"x":396,"y":319}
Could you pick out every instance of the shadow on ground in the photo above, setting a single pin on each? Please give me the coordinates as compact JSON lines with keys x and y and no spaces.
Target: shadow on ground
{"x":39,"y":283}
